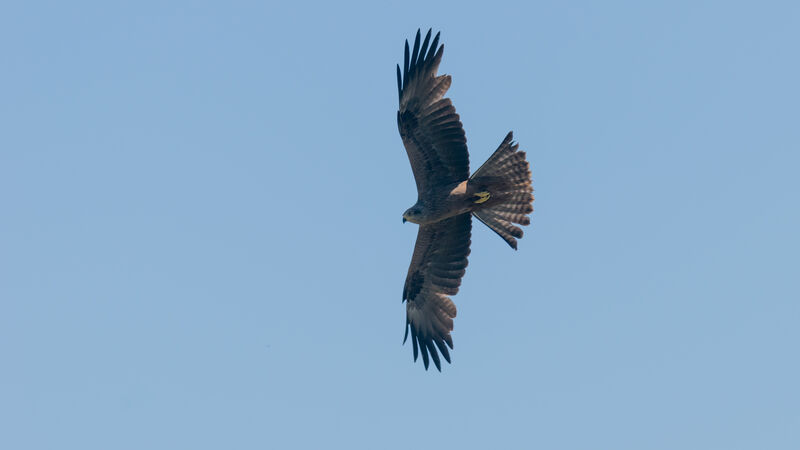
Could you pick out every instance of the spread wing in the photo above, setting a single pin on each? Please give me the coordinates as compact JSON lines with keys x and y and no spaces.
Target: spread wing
{"x":438,"y":264}
{"x":431,"y":130}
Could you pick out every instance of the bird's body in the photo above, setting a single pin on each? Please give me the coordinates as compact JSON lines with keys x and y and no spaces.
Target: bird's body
{"x":441,"y":203}
{"x":499,"y":194}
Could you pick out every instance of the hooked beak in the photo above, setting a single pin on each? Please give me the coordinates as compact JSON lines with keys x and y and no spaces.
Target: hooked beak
{"x":404,"y":219}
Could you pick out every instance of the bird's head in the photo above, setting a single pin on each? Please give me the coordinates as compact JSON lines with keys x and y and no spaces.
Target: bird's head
{"x":412,"y":214}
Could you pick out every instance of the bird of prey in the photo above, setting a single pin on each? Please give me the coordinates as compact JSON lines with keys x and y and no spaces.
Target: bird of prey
{"x":499,"y":194}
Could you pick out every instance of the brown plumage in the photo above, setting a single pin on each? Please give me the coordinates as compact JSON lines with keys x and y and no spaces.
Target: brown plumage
{"x":499,"y":194}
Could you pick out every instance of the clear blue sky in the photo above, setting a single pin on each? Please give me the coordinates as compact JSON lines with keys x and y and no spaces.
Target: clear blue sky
{"x":201,"y":242}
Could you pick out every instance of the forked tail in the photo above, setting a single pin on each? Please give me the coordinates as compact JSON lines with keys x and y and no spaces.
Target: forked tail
{"x":503,"y":191}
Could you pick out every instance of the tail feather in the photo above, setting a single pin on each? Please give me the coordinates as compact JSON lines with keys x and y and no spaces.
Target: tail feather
{"x":506,"y":175}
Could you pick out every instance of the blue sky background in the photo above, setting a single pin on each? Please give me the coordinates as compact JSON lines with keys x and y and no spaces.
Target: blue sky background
{"x":201,"y":244}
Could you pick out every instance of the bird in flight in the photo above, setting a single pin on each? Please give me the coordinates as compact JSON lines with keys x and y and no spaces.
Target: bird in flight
{"x":499,"y":194}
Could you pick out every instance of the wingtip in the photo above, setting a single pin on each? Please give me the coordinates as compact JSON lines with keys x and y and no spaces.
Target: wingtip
{"x":423,"y":50}
{"x":399,"y":84}
{"x":443,"y":350}
{"x":449,"y":340}
{"x":414,"y":53}
{"x":406,"y":57}
{"x":434,"y":46}
{"x":434,"y":356}
{"x":415,"y":344}
{"x":423,"y":348}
